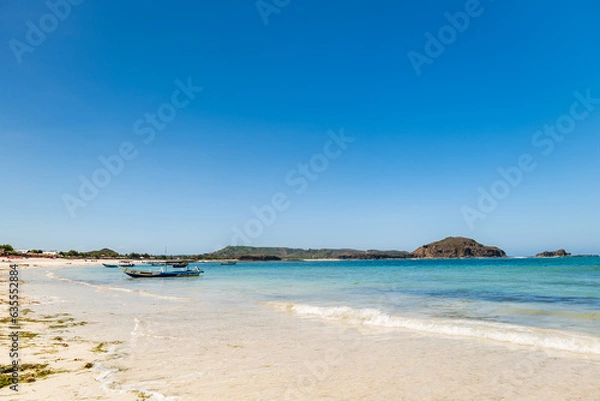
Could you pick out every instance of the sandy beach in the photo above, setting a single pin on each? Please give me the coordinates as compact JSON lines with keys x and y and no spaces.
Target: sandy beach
{"x":50,"y":344}
{"x":97,"y":342}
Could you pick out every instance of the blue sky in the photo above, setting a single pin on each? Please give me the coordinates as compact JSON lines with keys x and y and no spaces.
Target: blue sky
{"x":423,"y":144}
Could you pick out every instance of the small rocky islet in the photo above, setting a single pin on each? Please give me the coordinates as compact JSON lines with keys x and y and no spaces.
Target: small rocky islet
{"x":458,"y":247}
{"x":553,"y":254}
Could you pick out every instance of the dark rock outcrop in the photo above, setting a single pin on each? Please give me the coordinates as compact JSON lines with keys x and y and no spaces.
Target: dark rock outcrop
{"x":555,"y":254}
{"x":458,"y":247}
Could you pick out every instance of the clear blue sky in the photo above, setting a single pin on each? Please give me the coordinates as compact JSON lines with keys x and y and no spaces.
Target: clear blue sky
{"x":424,"y":144}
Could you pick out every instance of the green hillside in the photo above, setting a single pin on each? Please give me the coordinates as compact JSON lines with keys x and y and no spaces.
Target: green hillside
{"x":237,"y":252}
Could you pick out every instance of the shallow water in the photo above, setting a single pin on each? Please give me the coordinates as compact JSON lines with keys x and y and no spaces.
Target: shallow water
{"x":560,"y":294}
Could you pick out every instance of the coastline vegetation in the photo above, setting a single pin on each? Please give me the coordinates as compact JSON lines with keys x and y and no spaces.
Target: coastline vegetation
{"x":451,"y":247}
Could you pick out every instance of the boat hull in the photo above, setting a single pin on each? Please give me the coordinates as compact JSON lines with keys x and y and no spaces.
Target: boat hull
{"x":110,"y":266}
{"x":179,"y":265}
{"x":137,"y":273}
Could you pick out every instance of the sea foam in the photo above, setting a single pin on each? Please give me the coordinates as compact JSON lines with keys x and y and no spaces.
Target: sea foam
{"x":504,"y":332}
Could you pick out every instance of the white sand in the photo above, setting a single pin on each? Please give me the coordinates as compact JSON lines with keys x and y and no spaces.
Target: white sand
{"x":28,"y":263}
{"x":56,"y":343}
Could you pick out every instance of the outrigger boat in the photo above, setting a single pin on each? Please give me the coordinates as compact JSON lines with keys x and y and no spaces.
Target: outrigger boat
{"x":162,"y":272}
{"x":126,"y":263}
{"x":110,"y":266}
{"x":179,"y":264}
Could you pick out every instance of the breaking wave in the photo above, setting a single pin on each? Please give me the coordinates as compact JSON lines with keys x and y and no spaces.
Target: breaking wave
{"x":504,"y":332}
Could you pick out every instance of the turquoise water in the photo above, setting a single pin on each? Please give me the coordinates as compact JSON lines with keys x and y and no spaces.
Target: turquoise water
{"x":492,"y":298}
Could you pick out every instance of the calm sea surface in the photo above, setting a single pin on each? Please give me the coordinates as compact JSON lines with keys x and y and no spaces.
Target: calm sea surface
{"x":463,"y":297}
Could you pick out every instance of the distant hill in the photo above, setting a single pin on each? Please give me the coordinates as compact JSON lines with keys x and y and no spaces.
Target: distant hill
{"x":458,"y":247}
{"x":102,"y":253}
{"x":256,"y":253}
{"x":451,"y":247}
{"x":555,"y":254}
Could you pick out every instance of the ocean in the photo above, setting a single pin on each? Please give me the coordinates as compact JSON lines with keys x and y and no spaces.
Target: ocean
{"x":462,"y":297}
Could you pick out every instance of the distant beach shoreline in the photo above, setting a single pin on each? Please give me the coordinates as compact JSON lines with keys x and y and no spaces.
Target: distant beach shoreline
{"x":32,"y":262}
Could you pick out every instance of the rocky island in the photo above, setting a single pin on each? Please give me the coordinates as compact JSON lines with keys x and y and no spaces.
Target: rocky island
{"x":556,"y":254}
{"x":451,"y":247}
{"x":458,"y":247}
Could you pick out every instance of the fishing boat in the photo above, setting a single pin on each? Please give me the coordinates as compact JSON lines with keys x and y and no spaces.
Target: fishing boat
{"x":179,"y":264}
{"x":126,"y":263}
{"x":228,"y":263}
{"x":162,"y":272}
{"x":110,"y":266}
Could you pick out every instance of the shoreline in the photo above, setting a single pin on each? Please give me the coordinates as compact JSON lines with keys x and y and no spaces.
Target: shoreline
{"x":27,"y":263}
